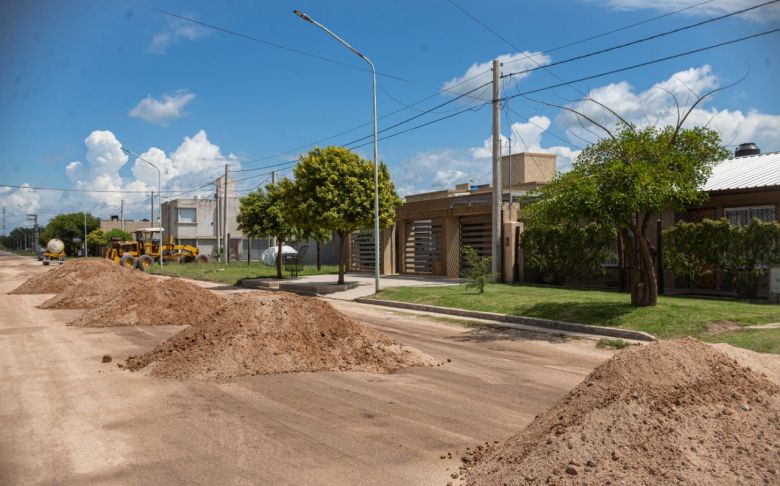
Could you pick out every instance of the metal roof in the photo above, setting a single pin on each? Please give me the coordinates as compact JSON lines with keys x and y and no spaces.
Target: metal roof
{"x":747,"y":172}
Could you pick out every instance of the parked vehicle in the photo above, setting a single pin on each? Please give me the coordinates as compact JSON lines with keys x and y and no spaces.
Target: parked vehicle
{"x":142,"y":252}
{"x":55,"y":252}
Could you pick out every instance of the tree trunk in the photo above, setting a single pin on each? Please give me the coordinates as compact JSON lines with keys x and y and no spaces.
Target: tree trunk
{"x":342,"y":255}
{"x":279,"y":259}
{"x":648,"y":271}
{"x":641,"y":271}
{"x":318,"y":256}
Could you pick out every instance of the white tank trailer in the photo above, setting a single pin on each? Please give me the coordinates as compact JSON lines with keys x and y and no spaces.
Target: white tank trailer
{"x":55,"y":251}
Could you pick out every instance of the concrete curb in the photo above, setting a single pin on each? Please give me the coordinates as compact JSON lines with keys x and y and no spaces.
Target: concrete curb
{"x":527,"y":321}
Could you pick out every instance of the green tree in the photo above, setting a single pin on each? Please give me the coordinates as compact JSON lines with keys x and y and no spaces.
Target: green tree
{"x":97,"y":239}
{"x":265,"y":213}
{"x":478,"y":270}
{"x":549,"y":248}
{"x":623,"y":180}
{"x":68,"y":226}
{"x":118,"y":233}
{"x":334,"y":192}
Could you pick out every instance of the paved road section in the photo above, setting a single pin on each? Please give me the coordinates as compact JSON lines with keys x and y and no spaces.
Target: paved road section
{"x":67,"y":418}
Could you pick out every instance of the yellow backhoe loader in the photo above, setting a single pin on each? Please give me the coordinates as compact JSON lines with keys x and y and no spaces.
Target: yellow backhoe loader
{"x":145,"y":250}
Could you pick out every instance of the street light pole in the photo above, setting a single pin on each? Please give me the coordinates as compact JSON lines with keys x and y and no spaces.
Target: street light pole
{"x":377,"y":243}
{"x":159,"y":199}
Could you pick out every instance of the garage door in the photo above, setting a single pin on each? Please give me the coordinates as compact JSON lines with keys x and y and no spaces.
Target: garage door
{"x":422,"y":248}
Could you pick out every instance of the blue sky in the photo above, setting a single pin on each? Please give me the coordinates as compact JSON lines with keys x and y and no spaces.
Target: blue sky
{"x":82,"y":78}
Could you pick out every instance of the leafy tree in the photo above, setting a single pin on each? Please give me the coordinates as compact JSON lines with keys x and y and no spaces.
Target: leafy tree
{"x":97,"y":239}
{"x":478,"y":270}
{"x":742,"y":253}
{"x":265,"y":213}
{"x":548,"y":247}
{"x":118,"y":233}
{"x":68,"y":226}
{"x":623,"y":180}
{"x":334,"y":192}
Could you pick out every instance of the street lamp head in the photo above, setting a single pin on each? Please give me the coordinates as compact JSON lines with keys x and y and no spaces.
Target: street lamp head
{"x":303,"y":16}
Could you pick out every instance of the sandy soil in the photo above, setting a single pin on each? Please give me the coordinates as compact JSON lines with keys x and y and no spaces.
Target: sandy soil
{"x":68,"y":418}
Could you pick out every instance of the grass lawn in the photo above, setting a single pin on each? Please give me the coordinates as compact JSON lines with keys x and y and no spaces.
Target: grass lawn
{"x":234,"y":272}
{"x":673,"y":316}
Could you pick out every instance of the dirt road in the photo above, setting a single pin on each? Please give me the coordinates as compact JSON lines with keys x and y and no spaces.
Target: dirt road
{"x":67,"y":418}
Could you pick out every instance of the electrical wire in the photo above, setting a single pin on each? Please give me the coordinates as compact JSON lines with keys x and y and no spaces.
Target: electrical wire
{"x":637,"y":41}
{"x":643,"y":64}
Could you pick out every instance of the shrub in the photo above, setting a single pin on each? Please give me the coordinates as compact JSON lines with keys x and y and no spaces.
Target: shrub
{"x":741,"y":253}
{"x":479,"y":270}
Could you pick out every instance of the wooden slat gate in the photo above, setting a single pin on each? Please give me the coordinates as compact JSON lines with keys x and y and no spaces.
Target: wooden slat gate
{"x":475,"y":231}
{"x":362,"y":251}
{"x":423,"y":246}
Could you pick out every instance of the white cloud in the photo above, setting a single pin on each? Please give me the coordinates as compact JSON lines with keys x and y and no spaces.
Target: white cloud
{"x":444,"y":169}
{"x":176,"y":31}
{"x":657,"y":106}
{"x":168,"y":107}
{"x":193,"y":160}
{"x":763,"y":14}
{"x":479,"y":74}
{"x":448,"y":178}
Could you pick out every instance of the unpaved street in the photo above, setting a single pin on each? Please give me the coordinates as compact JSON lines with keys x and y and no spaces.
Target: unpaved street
{"x":68,"y":418}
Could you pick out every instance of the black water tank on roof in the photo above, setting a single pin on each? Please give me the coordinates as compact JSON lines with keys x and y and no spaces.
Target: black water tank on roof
{"x":747,"y":149}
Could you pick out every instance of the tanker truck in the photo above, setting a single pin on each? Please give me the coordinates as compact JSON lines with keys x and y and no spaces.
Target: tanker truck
{"x":55,"y":251}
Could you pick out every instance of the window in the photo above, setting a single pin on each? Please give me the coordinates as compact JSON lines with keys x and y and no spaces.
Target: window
{"x":187,"y":215}
{"x":743,"y":216}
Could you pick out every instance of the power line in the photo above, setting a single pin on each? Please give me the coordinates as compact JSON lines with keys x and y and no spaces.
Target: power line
{"x":646,"y":63}
{"x":638,"y":41}
{"x":626,"y":27}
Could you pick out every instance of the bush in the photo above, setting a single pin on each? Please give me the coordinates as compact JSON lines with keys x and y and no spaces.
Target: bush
{"x":741,"y":253}
{"x":567,"y":249}
{"x":479,"y":270}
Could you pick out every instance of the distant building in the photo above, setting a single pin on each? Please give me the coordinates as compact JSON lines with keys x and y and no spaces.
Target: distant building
{"x":128,"y":225}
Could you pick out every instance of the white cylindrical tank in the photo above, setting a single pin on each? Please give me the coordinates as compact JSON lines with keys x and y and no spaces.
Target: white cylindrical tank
{"x":55,"y":245}
{"x":269,"y":256}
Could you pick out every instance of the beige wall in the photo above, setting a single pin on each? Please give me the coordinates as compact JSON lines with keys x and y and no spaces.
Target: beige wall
{"x":130,"y":226}
{"x":528,"y":169}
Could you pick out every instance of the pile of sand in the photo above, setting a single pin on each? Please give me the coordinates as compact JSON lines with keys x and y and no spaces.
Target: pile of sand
{"x":72,"y":272}
{"x":94,"y":288}
{"x":148,"y":302}
{"x":263,"y":333}
{"x":667,"y":413}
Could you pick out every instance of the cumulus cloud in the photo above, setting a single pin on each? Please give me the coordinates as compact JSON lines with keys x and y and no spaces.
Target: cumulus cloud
{"x":763,"y":14}
{"x":480,"y":73}
{"x":176,"y":31}
{"x":195,"y":158}
{"x":657,"y":106}
{"x":168,"y":107}
{"x":445,"y":168}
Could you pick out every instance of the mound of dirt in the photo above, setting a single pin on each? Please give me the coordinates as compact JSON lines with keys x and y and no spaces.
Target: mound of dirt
{"x":148,"y":302}
{"x":670,"y":412}
{"x":263,"y":333}
{"x":72,"y":272}
{"x":95,"y":289}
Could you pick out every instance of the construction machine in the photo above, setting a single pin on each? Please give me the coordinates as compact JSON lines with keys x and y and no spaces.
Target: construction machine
{"x":55,"y":252}
{"x":145,"y":250}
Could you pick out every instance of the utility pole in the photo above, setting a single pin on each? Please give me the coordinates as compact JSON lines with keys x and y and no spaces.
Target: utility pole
{"x":497,"y":183}
{"x":218,"y":215}
{"x":122,"y":215}
{"x":224,"y":219}
{"x":152,"y":206}
{"x":272,"y":239}
{"x":3,"y":220}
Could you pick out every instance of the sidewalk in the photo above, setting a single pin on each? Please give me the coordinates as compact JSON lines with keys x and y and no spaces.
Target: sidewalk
{"x":357,"y":285}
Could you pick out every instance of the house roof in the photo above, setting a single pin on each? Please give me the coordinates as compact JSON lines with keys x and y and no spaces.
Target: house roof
{"x":746,"y":172}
